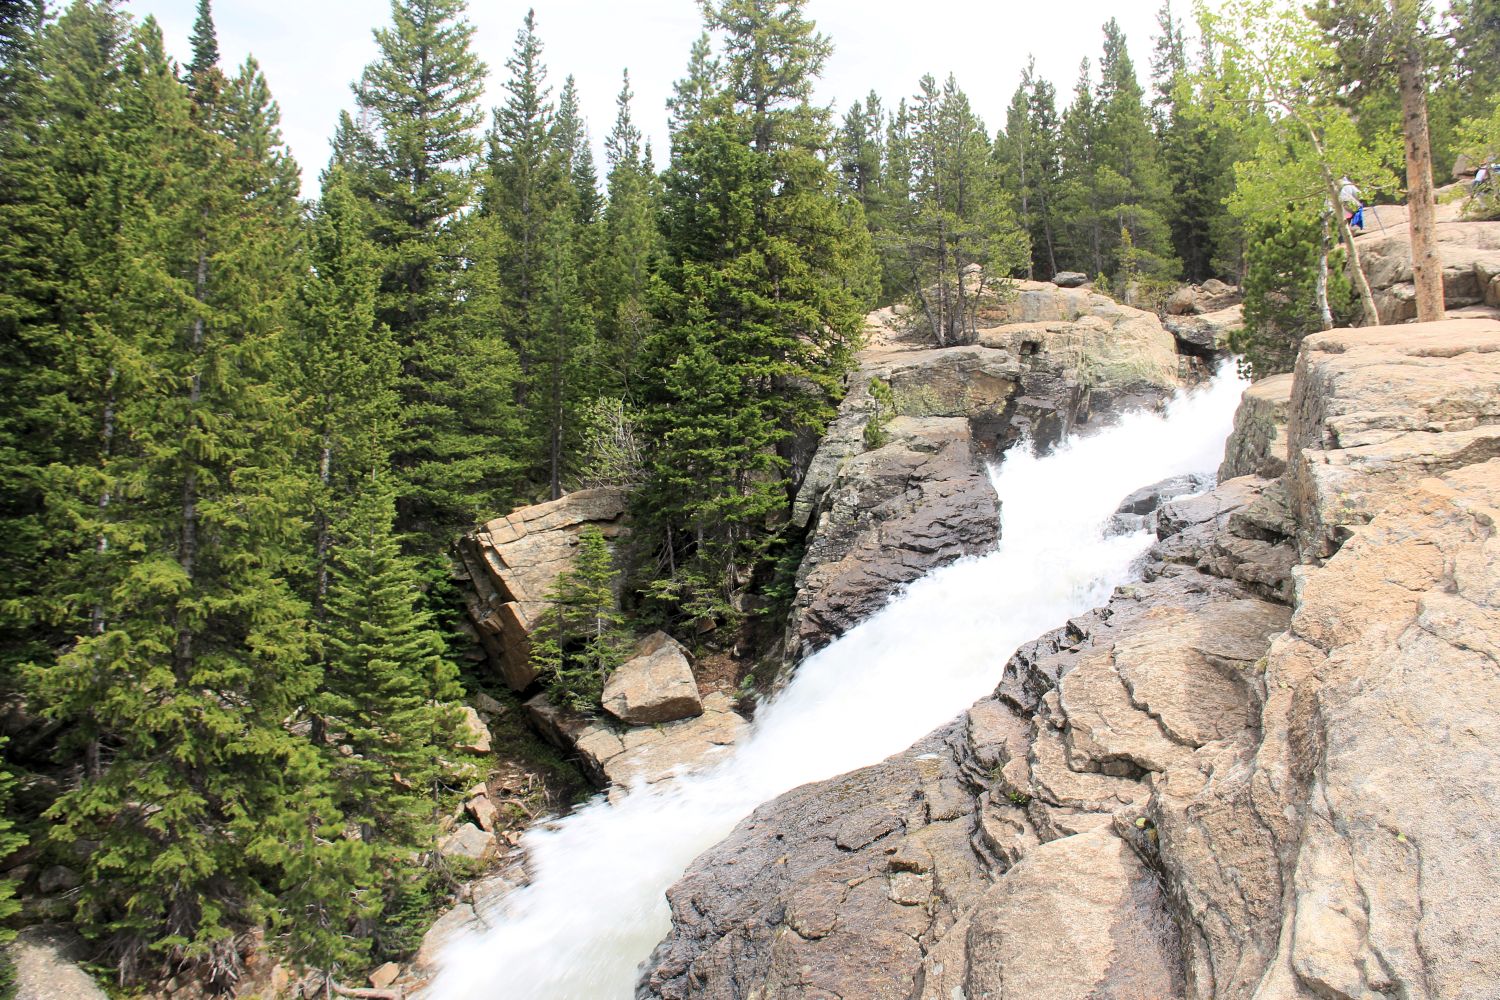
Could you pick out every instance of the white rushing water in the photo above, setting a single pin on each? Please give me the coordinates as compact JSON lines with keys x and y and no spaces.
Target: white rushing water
{"x":596,"y":906}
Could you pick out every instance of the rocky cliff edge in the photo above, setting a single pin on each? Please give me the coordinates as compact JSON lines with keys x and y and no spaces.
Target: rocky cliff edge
{"x":1271,"y":769}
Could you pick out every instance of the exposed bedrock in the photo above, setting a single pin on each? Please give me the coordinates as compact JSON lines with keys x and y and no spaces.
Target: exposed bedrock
{"x":899,"y":487}
{"x":1270,"y":769}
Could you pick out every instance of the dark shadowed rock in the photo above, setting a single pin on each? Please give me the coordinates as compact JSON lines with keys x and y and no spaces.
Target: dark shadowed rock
{"x":1070,"y":279}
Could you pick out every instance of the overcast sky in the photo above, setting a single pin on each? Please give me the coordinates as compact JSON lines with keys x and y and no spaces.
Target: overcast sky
{"x":311,"y":50}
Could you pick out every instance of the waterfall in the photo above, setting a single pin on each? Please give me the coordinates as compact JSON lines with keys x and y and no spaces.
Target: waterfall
{"x":596,"y":907}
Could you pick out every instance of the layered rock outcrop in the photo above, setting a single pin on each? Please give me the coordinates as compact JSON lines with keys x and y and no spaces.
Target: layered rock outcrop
{"x":509,"y":564}
{"x":1470,"y":253}
{"x":889,"y":505}
{"x":1271,"y":769}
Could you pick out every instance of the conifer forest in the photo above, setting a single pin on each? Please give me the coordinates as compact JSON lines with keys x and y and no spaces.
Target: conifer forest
{"x":247,"y":406}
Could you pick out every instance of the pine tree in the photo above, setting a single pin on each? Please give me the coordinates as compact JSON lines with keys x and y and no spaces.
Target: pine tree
{"x":1028,"y":155}
{"x":1079,"y":203}
{"x":1198,"y":154}
{"x":196,"y":648}
{"x":962,"y":239}
{"x":771,"y":273}
{"x":409,"y":159}
{"x":1281,"y":297}
{"x":896,"y":208}
{"x":11,"y":841}
{"x":632,"y":246}
{"x":861,"y":140}
{"x":581,"y":637}
{"x":541,"y":202}
{"x":37,"y":414}
{"x":1133,"y":189}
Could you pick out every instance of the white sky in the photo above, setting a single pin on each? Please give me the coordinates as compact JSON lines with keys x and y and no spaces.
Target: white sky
{"x":311,"y":50}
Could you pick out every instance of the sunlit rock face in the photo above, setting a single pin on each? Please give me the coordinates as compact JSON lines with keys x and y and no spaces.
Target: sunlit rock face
{"x":1271,"y":768}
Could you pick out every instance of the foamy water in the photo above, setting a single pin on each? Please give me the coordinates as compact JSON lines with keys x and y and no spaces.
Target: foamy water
{"x":596,"y":906}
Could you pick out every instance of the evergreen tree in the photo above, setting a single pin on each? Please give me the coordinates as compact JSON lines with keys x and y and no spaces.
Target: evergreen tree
{"x":409,"y":158}
{"x":581,"y":637}
{"x":962,"y":238}
{"x":860,"y":150}
{"x":771,"y":273}
{"x":632,"y":246}
{"x":1198,"y":154}
{"x":1281,"y":293}
{"x":1133,"y":190}
{"x":38,"y":413}
{"x":1029,"y":157}
{"x":1079,"y":204}
{"x":896,"y":207}
{"x":196,"y":647}
{"x":541,"y":201}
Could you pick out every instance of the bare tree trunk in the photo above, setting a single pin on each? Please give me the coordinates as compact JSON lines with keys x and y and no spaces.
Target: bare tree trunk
{"x":1325,"y":313}
{"x":1426,"y":261}
{"x":1361,"y":283}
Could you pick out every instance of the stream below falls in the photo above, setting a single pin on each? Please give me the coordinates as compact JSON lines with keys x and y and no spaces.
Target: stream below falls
{"x":596,"y":905}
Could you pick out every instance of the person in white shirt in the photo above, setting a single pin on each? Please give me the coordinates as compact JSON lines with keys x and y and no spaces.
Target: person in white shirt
{"x":1354,"y":212}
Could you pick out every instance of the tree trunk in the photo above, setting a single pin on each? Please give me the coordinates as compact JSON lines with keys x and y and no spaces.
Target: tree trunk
{"x":1426,"y":261}
{"x":1325,"y":314}
{"x":1361,"y":283}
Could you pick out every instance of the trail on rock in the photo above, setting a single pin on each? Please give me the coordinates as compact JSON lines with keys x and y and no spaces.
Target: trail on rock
{"x":595,"y":907}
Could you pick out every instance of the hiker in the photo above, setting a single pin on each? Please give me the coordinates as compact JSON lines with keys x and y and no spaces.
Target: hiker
{"x":1484,"y":173}
{"x":1354,"y":212}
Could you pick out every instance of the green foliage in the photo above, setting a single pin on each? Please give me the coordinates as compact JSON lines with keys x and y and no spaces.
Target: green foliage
{"x":581,"y":637}
{"x":956,"y":239}
{"x":1113,"y":179}
{"x":1479,"y":139}
{"x":768,"y":275}
{"x":884,"y":401}
{"x":1029,"y":155}
{"x":1281,"y":300}
{"x":412,"y":173}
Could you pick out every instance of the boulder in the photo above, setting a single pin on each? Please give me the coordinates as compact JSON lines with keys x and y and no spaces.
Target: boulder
{"x":483,"y":812}
{"x":616,"y":757}
{"x":511,"y":563}
{"x":1470,"y":253}
{"x":1258,"y":443}
{"x":385,"y":975}
{"x":1070,"y":279}
{"x":47,"y":960}
{"x":655,"y":685}
{"x":474,"y":735}
{"x":1077,"y":919}
{"x":1207,"y":334}
{"x":468,"y":842}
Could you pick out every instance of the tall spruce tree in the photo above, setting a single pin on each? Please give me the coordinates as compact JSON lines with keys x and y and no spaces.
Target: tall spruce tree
{"x":1133,"y":189}
{"x":771,"y":273}
{"x":410,"y":156}
{"x":1198,"y":154}
{"x":962,"y":240}
{"x":540,"y":203}
{"x":34,"y":432}
{"x":1028,"y":154}
{"x":1080,"y":206}
{"x":632,"y":247}
{"x":196,"y":647}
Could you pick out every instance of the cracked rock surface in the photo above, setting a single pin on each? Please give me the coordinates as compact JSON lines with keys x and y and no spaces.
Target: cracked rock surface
{"x":1270,"y":769}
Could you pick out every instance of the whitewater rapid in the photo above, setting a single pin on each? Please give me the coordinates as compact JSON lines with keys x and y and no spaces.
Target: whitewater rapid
{"x":596,"y":907}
